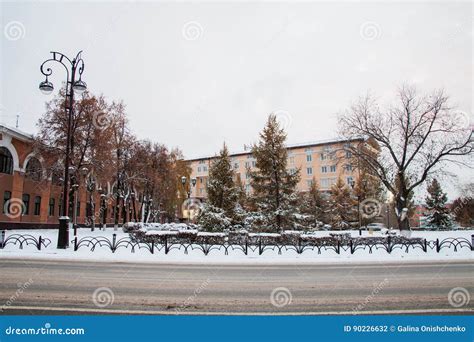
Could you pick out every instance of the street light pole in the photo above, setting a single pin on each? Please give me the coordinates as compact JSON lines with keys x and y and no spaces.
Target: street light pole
{"x":73,"y":67}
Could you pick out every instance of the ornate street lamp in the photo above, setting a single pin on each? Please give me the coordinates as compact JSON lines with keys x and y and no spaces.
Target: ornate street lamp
{"x":73,"y":68}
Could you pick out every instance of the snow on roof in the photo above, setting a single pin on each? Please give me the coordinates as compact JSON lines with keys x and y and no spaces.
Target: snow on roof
{"x":15,"y":132}
{"x":288,"y":146}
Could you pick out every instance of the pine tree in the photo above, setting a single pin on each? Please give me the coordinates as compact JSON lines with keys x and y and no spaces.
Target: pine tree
{"x":222,"y":195}
{"x":436,"y":204}
{"x":274,"y":187}
{"x":341,"y":213}
{"x":221,"y":190}
{"x":312,"y":206}
{"x":367,"y":187}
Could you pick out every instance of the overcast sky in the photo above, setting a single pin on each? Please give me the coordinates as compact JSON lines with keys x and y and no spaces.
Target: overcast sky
{"x":195,"y":74}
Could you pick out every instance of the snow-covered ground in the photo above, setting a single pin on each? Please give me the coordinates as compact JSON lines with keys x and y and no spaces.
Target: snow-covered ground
{"x":235,"y":256}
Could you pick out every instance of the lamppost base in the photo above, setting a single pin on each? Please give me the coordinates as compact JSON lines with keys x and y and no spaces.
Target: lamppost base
{"x":63,"y":233}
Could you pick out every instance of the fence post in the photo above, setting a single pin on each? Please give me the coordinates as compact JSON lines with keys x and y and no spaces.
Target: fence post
{"x":260,"y":245}
{"x":2,"y":241}
{"x":389,"y":247}
{"x":425,"y":246}
{"x":152,"y":247}
{"x":472,"y":242}
{"x":246,"y":246}
{"x":75,"y":244}
{"x":114,"y":239}
{"x":339,"y":246}
{"x":39,"y":243}
{"x":166,"y":244}
{"x":437,"y":245}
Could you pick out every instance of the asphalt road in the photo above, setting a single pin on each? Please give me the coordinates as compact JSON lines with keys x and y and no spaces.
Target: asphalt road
{"x":65,"y":287}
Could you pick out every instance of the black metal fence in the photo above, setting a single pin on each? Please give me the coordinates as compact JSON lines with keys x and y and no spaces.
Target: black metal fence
{"x":247,"y":244}
{"x":22,"y":240}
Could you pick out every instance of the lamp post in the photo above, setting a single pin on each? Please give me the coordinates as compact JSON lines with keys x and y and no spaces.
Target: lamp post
{"x":188,"y":192}
{"x":358,"y":208}
{"x":74,"y":68}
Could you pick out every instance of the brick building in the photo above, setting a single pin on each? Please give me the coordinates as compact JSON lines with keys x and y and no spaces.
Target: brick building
{"x":32,"y":197}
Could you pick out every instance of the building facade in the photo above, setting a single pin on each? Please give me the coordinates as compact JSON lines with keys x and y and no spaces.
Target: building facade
{"x":323,"y":161}
{"x":32,"y":196}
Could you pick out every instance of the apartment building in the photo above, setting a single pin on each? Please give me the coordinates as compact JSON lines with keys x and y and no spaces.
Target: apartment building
{"x":323,"y":161}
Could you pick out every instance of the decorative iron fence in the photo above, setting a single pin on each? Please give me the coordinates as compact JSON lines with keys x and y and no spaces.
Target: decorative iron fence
{"x":23,"y":240}
{"x":247,"y":243}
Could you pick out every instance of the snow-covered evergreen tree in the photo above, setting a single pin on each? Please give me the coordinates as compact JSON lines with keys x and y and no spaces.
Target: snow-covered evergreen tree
{"x":274,"y":187}
{"x":213,"y":219}
{"x":341,"y":206}
{"x":438,"y":214}
{"x":312,"y":206}
{"x":221,"y":190}
{"x":222,"y":195}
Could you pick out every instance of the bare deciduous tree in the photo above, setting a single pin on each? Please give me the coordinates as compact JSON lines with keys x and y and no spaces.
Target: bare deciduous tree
{"x":414,"y":139}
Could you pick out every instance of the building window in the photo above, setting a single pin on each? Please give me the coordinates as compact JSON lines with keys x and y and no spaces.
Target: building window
{"x":309,"y":182}
{"x":6,"y":161}
{"x":309,"y":158}
{"x":236,"y":165}
{"x":333,"y":168}
{"x":323,"y":156}
{"x":52,"y":203}
{"x":291,"y":160}
{"x":292,"y":171}
{"x":348,"y":167}
{"x":199,"y":169}
{"x":33,"y":169}
{"x":204,"y":168}
{"x":37,"y":205}
{"x":7,"y":195}
{"x":325,"y":183}
{"x":26,"y":204}
{"x":324,"y":169}
{"x":349,"y":181}
{"x":254,"y":163}
{"x":202,"y":162}
{"x":309,"y":170}
{"x":348,"y":154}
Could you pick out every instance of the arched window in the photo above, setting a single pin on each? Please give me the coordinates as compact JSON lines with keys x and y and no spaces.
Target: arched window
{"x":33,"y":169}
{"x":6,"y":161}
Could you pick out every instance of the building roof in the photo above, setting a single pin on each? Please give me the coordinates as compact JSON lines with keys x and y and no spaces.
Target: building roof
{"x":15,"y":132}
{"x":288,"y":146}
